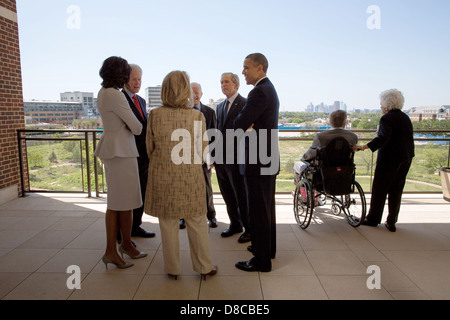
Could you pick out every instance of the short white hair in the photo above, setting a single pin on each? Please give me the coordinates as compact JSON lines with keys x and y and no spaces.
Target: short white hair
{"x":196,"y":84}
{"x":392,"y":99}
{"x":136,"y":68}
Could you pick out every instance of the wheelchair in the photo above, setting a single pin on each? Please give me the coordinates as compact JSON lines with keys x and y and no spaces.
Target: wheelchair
{"x":331,"y":176}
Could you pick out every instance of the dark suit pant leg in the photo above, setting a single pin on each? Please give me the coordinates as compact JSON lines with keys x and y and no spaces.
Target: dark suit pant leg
{"x":240,"y":194}
{"x":211,"y":211}
{"x":396,"y":191}
{"x":261,"y":207}
{"x":138,"y":212}
{"x":229,"y":196}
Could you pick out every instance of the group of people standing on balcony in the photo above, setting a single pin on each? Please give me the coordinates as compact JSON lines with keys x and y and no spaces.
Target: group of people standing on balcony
{"x":160,"y":163}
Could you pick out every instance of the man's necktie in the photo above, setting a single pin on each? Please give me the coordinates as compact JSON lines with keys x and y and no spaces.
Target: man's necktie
{"x":225,"y":111}
{"x":138,"y":106}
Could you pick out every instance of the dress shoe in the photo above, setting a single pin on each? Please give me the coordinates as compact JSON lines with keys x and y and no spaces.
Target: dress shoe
{"x":138,"y":256}
{"x":139,"y":232}
{"x":250,"y":266}
{"x":211,"y":273}
{"x":229,"y":232}
{"x":369,"y":223}
{"x":245,"y":237}
{"x":120,"y":266}
{"x":391,"y":227}
{"x":173,"y":276}
{"x":213,"y":223}
{"x":182,"y":224}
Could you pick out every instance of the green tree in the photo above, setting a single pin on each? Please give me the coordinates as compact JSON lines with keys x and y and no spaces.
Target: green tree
{"x":52,"y":157}
{"x":35,"y":159}
{"x":434,"y":159}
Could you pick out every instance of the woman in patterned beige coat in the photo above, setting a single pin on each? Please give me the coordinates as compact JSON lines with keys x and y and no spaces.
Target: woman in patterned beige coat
{"x":176,"y":186}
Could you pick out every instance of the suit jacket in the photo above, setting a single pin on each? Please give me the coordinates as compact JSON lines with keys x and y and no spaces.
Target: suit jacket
{"x":395,"y":140}
{"x":210,"y":116}
{"x":224,"y":124}
{"x":227,"y":124}
{"x":119,"y":126}
{"x":211,"y":122}
{"x":140,"y":139}
{"x":323,"y":138}
{"x":261,"y":111}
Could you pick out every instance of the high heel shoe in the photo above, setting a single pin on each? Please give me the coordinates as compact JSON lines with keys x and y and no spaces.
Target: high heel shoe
{"x":124,"y":266}
{"x":211,"y":273}
{"x":140,"y":255}
{"x":173,"y":276}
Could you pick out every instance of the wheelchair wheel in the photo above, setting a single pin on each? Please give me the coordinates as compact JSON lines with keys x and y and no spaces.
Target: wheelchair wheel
{"x":355,"y":206}
{"x":335,"y":208}
{"x":303,"y":203}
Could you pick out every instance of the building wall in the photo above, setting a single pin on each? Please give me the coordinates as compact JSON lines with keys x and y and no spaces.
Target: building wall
{"x":11,"y":101}
{"x":53,"y":112}
{"x":153,"y":95}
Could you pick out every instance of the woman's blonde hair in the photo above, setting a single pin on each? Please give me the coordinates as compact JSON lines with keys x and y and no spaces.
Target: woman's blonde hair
{"x":176,"y":90}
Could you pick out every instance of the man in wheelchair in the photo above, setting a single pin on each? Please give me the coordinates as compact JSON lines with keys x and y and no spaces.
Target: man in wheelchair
{"x":338,"y":121}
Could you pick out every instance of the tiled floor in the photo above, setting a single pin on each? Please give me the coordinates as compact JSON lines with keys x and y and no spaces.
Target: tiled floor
{"x":42,"y":235}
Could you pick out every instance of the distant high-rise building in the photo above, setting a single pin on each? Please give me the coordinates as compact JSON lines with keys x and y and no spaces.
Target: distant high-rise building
{"x":153,"y":96}
{"x":337,"y":105}
{"x":85,"y":98}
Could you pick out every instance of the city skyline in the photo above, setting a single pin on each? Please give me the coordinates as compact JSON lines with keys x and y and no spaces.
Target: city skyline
{"x":318,"y":51}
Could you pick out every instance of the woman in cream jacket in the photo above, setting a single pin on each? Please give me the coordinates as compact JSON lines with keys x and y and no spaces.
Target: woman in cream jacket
{"x":118,"y":152}
{"x":176,"y":185}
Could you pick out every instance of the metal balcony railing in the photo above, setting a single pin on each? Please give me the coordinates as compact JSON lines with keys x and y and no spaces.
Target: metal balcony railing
{"x":63,"y":161}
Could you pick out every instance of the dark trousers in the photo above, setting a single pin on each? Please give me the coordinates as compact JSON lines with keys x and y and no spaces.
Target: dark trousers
{"x":211,"y":211}
{"x":261,"y":208}
{"x":143,"y":177}
{"x":232,"y":188}
{"x":388,"y":181}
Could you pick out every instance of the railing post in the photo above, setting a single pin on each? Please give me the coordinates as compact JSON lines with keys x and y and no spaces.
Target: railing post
{"x":371,"y":174}
{"x":94,"y":145}
{"x":448,"y":157}
{"x":22,"y":178}
{"x":88,"y":170}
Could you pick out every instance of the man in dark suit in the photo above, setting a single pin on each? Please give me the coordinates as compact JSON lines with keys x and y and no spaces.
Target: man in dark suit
{"x":231,"y":182}
{"x":395,"y":145}
{"x":260,"y":118}
{"x":211,"y":123}
{"x":138,"y":106}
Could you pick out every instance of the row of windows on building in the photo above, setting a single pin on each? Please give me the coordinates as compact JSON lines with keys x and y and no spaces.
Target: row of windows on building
{"x":430,"y":113}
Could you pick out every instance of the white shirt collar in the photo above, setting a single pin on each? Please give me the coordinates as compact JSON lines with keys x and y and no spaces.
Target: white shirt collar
{"x":130,"y":94}
{"x":260,"y":80}
{"x":233,"y":97}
